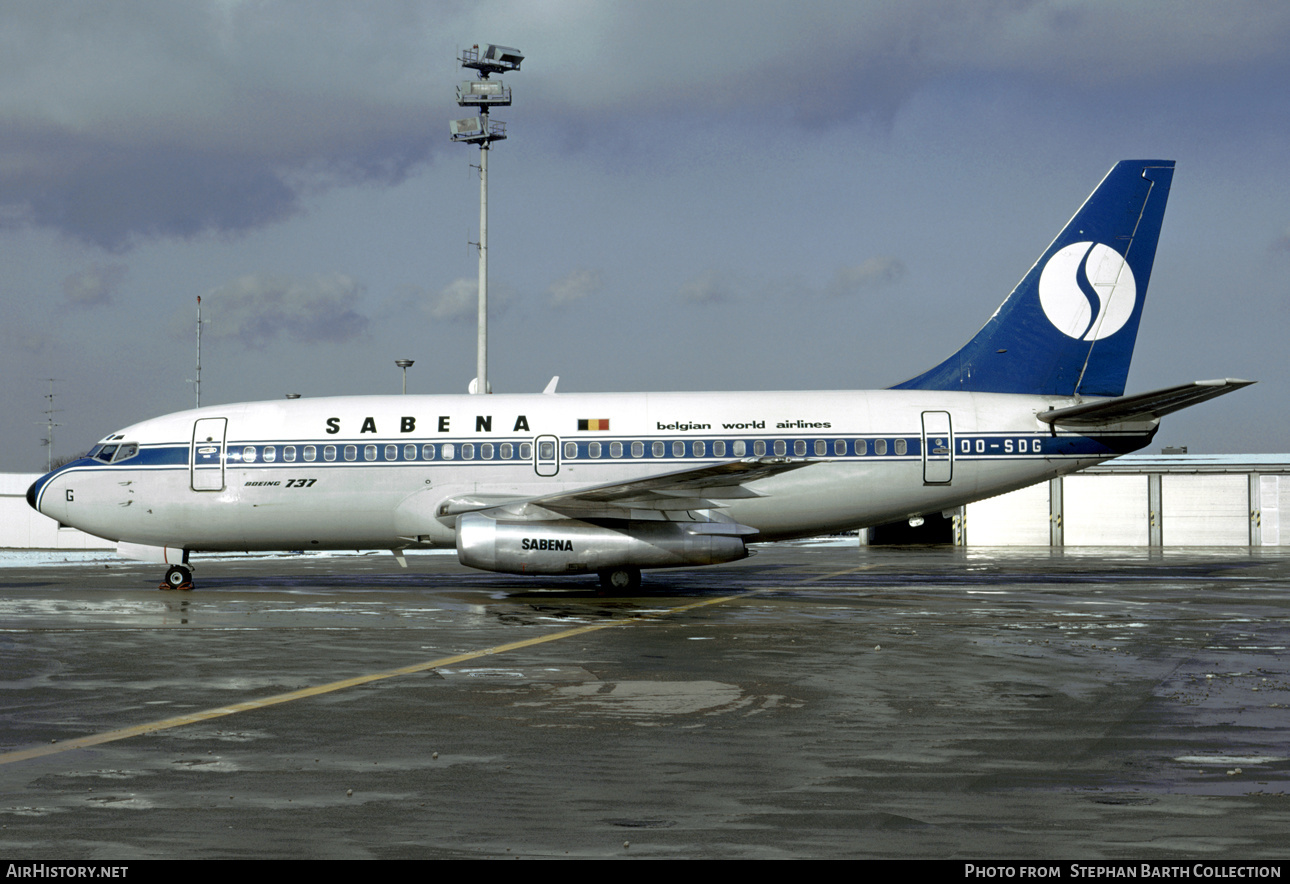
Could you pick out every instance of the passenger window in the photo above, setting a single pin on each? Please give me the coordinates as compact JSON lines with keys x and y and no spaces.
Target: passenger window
{"x":507,"y":451}
{"x":269,"y":453}
{"x":289,"y":453}
{"x":468,"y":451}
{"x":369,"y":452}
{"x":409,"y":452}
{"x":486,"y":451}
{"x":570,"y":450}
{"x":780,"y":448}
{"x":900,"y":446}
{"x":351,"y":452}
{"x":658,"y":449}
{"x":719,"y":448}
{"x":391,"y":452}
{"x":638,"y":449}
{"x":880,"y":446}
{"x":593,"y":449}
{"x":699,"y":449}
{"x":862,"y":447}
{"x":329,"y":453}
{"x":546,"y":451}
{"x":799,"y":447}
{"x":821,"y":448}
{"x":740,"y":448}
{"x":839,"y":447}
{"x":427,"y":452}
{"x":526,"y":450}
{"x":615,"y":449}
{"x":448,"y":450}
{"x":248,"y":454}
{"x":678,"y":449}
{"x":759,"y":447}
{"x":311,"y":452}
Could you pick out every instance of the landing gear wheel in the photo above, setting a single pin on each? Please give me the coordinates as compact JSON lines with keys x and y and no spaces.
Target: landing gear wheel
{"x":614,"y":580}
{"x":178,"y":577}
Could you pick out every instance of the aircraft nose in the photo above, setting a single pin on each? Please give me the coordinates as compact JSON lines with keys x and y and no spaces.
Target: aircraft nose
{"x":31,"y":494}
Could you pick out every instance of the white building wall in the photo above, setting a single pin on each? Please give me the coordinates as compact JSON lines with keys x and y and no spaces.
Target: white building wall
{"x":21,"y":527}
{"x":1019,"y":518}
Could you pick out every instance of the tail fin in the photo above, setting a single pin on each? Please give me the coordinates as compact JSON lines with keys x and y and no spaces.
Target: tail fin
{"x":1069,"y":326}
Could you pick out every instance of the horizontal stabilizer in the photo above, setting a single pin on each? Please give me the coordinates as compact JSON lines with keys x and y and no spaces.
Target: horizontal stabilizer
{"x":1142,"y":406}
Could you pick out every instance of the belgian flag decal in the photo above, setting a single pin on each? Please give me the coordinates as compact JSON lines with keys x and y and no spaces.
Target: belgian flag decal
{"x":602,"y":424}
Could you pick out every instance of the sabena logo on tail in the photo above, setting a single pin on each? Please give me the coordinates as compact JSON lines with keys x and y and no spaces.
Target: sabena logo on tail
{"x":1087,"y":291}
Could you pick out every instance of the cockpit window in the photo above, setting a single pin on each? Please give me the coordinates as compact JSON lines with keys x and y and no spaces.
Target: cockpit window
{"x":114,"y":453}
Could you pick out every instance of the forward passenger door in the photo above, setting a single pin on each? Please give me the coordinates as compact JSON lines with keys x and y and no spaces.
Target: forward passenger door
{"x":206,"y":454}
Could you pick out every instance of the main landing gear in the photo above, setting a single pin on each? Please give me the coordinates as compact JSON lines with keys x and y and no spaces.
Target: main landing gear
{"x":178,"y":577}
{"x":615,"y":580}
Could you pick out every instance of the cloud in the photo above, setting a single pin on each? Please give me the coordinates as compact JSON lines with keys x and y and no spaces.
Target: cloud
{"x":121,"y":123}
{"x":93,"y":286}
{"x":18,"y":336}
{"x":873,"y":273}
{"x":576,"y":286}
{"x":173,"y":120}
{"x":709,"y":287}
{"x":256,"y":310}
{"x":458,"y":301}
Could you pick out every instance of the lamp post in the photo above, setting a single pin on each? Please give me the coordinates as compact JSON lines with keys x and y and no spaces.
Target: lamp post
{"x":483,"y":94}
{"x":404,"y":364}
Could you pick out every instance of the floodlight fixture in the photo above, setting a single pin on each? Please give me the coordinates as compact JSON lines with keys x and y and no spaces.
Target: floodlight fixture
{"x":483,"y":94}
{"x":492,"y":59}
{"x":477,"y":130}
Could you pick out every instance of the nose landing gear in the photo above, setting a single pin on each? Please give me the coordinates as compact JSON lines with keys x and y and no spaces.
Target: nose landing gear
{"x":178,"y":577}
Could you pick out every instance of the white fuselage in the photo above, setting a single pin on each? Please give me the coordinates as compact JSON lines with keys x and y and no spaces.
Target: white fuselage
{"x":376,"y":471}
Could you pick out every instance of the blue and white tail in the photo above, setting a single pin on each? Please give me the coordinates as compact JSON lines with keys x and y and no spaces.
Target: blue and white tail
{"x":1069,"y":326}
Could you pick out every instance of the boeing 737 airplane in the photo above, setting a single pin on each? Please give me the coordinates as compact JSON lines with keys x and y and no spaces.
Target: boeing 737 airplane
{"x":611,"y":483}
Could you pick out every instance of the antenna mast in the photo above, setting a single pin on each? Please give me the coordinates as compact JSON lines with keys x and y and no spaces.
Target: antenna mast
{"x":197,"y":382}
{"x":48,"y":441}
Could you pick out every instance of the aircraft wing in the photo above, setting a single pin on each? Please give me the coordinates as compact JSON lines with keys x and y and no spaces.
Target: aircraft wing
{"x":718,"y":480}
{"x":681,"y":490}
{"x":1142,"y":406}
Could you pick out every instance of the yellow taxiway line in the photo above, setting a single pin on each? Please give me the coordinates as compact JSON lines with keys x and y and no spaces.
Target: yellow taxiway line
{"x":276,"y":699}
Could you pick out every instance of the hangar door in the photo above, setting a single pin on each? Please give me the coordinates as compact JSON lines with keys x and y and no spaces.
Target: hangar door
{"x":1205,"y":509}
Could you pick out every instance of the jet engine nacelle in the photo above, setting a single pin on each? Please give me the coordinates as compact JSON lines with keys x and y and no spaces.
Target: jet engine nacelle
{"x":573,"y":547}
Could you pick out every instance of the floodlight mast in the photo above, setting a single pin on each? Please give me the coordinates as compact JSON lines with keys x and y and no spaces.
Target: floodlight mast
{"x":483,"y":94}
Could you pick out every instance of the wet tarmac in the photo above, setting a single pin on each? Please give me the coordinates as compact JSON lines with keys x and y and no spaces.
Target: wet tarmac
{"x":808,"y":702}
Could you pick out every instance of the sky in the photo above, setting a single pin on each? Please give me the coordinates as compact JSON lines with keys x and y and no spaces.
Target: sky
{"x":721,"y":195}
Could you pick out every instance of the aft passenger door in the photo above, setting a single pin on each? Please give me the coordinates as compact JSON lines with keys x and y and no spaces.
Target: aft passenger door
{"x":938,"y":448}
{"x":206,"y":455}
{"x":546,"y":455}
